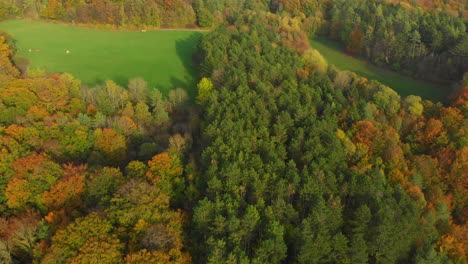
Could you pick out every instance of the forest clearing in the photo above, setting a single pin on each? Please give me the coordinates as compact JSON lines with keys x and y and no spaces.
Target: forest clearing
{"x":163,"y":58}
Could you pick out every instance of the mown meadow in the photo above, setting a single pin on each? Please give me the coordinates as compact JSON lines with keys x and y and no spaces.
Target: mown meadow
{"x":163,"y":57}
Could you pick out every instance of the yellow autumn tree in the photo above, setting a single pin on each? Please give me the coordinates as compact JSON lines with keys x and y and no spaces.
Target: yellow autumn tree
{"x":6,"y":66}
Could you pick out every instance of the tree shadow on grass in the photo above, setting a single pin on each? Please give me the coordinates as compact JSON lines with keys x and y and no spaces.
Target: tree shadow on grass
{"x":94,"y":82}
{"x":186,"y":51}
{"x":188,"y":84}
{"x":122,"y":80}
{"x":119,"y":80}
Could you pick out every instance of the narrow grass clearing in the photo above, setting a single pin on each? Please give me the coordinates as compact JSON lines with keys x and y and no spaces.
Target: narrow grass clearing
{"x":404,"y":85}
{"x":163,"y":58}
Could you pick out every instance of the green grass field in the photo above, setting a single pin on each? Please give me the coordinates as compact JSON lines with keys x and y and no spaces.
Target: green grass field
{"x":163,"y":58}
{"x":404,"y":85}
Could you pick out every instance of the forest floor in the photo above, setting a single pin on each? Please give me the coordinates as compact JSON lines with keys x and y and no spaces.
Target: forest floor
{"x":162,"y":57}
{"x":404,"y":85}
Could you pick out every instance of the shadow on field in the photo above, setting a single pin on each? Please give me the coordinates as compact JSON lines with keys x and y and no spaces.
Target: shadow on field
{"x":186,"y":49}
{"x":120,"y":80}
{"x":178,"y":83}
{"x":188,"y":84}
{"x":96,"y":81}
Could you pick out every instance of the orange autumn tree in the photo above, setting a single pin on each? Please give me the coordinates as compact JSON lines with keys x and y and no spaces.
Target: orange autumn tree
{"x":34,"y":175}
{"x":366,"y":132}
{"x":165,"y":171}
{"x":110,"y":146}
{"x":432,"y":132}
{"x":454,"y":243}
{"x":66,"y":195}
{"x":355,"y":41}
{"x":453,"y":119}
{"x":52,"y":93}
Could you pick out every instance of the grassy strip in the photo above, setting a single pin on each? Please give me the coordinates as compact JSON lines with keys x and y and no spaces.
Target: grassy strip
{"x":404,"y":85}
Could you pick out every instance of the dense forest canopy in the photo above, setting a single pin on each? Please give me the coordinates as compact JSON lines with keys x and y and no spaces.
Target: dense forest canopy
{"x":454,"y":7}
{"x":304,"y":166}
{"x":282,"y":158}
{"x":424,"y":44}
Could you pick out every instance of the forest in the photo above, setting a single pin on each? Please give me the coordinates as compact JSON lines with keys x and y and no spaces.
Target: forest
{"x":429,"y":45}
{"x":280,"y":158}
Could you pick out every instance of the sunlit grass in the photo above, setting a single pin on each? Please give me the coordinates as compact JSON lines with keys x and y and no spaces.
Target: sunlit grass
{"x":163,"y":58}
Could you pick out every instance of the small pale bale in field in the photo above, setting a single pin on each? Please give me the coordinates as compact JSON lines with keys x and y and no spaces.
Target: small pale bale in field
{"x":143,"y":30}
{"x":30,"y":50}
{"x":67,"y":52}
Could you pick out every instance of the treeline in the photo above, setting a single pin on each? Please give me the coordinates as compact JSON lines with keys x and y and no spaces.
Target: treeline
{"x":303,"y":163}
{"x":152,"y":13}
{"x":454,"y":7}
{"x":91,"y":175}
{"x":138,"y":13}
{"x":427,"y":45}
